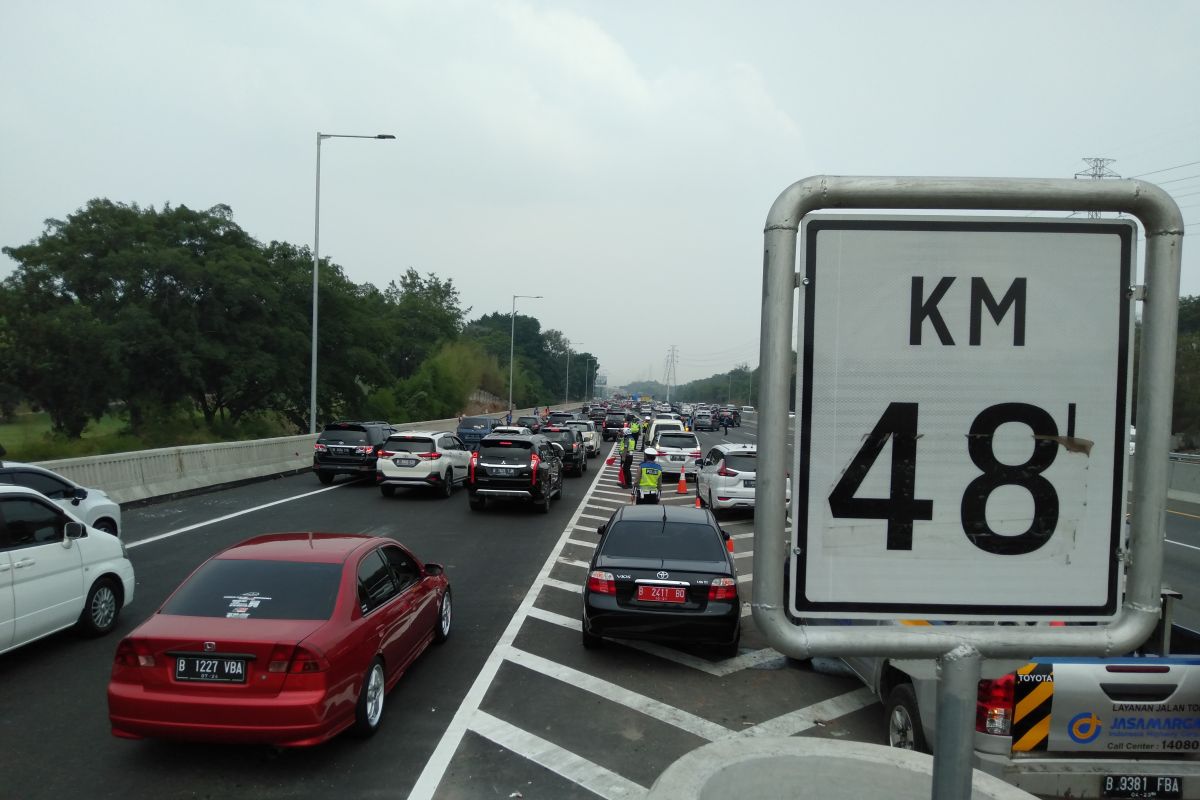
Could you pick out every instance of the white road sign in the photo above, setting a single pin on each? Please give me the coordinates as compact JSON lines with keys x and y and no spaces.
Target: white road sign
{"x":963,"y":407}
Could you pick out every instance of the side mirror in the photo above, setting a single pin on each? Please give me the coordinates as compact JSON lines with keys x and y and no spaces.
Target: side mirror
{"x":434,"y":569}
{"x":725,"y":535}
{"x":600,"y":530}
{"x":75,"y":530}
{"x":80,"y":494}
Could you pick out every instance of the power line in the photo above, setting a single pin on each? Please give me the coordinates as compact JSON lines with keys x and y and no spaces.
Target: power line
{"x":1164,"y":169}
{"x":1177,"y":180}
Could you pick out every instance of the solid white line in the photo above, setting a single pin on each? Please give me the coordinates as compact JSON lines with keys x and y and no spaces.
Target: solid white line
{"x":435,"y":768}
{"x":587,"y":774}
{"x":662,"y":712}
{"x":804,"y":718}
{"x":566,"y":587}
{"x":1181,"y":544}
{"x":572,"y":562}
{"x":214,"y":520}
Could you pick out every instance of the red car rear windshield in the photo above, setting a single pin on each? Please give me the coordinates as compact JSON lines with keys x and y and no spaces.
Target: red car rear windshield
{"x":247,"y":589}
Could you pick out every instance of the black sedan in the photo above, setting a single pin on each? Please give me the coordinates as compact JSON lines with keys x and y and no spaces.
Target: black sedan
{"x":663,"y":573}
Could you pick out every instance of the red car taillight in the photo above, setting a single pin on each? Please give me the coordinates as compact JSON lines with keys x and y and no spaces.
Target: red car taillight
{"x":994,"y":706}
{"x":308,"y":659}
{"x":471,"y":466}
{"x":133,"y":653}
{"x":602,"y":582}
{"x":722,"y":588}
{"x":429,"y":456}
{"x":533,"y":465}
{"x":725,"y":472}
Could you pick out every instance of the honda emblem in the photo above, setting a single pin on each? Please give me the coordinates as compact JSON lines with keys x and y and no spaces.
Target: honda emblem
{"x":210,"y":646}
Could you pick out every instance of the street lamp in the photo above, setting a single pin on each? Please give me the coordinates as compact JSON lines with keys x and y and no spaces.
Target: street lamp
{"x":312,"y":396}
{"x":567,"y":388}
{"x":591,"y":362}
{"x":512,"y":336}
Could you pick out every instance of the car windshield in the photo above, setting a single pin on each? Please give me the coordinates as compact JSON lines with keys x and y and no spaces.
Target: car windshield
{"x":250,"y":589}
{"x":409,"y":444}
{"x":505,"y":450}
{"x":614,"y":418}
{"x":668,"y":541}
{"x":344,"y":436}
{"x":475,"y":423}
{"x":742,"y":462}
{"x":680,"y":440}
{"x":565,"y":438}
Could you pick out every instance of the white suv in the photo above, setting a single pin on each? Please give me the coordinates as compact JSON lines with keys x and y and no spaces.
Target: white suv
{"x":432,"y":459}
{"x":55,"y":571}
{"x":92,"y":506}
{"x":727,"y":476}
{"x":677,"y":452}
{"x":591,"y":439}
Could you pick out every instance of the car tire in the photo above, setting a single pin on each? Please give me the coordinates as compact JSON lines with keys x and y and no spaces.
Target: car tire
{"x":448,"y":482}
{"x":731,"y":650}
{"x":904,"y":729}
{"x":441,"y":630}
{"x":368,"y":713}
{"x":325,"y":477}
{"x":590,"y":640}
{"x":107,"y":525}
{"x":101,"y":608}
{"x":387,"y":491}
{"x":478,"y":503}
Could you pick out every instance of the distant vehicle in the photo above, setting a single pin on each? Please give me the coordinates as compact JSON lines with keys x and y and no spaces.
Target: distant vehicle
{"x":286,"y":639}
{"x":591,"y":439}
{"x":678,"y":453}
{"x":472,"y":429}
{"x":91,"y":506}
{"x":70,"y":574}
{"x":349,"y":448}
{"x":658,"y":426}
{"x":728,"y":475}
{"x":747,"y":409}
{"x":533,"y":423}
{"x":524,"y":468}
{"x":429,"y":459}
{"x":663,"y":573}
{"x":520,"y":430}
{"x":575,"y":454}
{"x":559,"y":417}
{"x":614,"y":423}
{"x":705,"y":421}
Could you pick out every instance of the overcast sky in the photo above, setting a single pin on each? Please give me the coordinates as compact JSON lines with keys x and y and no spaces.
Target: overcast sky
{"x":617,"y":157}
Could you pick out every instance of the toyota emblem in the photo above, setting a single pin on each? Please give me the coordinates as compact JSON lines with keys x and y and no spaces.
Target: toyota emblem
{"x":210,"y":646}
{"x":662,"y":574}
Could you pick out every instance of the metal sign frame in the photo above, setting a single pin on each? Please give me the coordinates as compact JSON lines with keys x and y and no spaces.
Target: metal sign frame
{"x":1116,"y":275}
{"x":959,"y":648}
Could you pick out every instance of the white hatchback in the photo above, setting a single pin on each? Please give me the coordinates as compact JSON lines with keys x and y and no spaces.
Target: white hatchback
{"x":677,"y":452}
{"x":431,"y":459}
{"x":727,"y":477}
{"x":92,"y":506}
{"x":55,"y":571}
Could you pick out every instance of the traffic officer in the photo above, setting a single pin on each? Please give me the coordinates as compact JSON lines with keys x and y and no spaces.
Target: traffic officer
{"x":635,"y":427}
{"x":627,"y":445}
{"x":649,"y":479}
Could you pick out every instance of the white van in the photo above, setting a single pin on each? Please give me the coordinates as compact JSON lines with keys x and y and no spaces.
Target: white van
{"x":55,"y":571}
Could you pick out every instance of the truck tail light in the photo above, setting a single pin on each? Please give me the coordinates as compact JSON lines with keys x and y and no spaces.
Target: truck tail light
{"x":994,"y":706}
{"x":602,"y":582}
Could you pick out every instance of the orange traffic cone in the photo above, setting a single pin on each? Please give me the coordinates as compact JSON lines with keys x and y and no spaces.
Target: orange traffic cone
{"x":698,"y":499}
{"x":682,"y":488}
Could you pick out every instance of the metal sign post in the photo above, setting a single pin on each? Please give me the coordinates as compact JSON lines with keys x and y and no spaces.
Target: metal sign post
{"x":930,"y":523}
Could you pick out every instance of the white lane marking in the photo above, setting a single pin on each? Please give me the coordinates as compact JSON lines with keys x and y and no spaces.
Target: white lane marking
{"x":555,"y":619}
{"x":604,"y":504}
{"x":435,"y":768}
{"x":746,"y":578}
{"x":555,"y":583}
{"x":593,"y":516}
{"x":587,"y":774}
{"x":587,"y":528}
{"x":572,"y":562}
{"x":662,"y":712}
{"x":215,"y":520}
{"x":580,"y":543}
{"x":624,"y":494}
{"x":1181,"y":544}
{"x":741,"y":536}
{"x":746,"y":554}
{"x":804,"y":718}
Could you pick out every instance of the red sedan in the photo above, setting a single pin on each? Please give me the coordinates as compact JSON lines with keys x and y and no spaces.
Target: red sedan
{"x":286,"y":639}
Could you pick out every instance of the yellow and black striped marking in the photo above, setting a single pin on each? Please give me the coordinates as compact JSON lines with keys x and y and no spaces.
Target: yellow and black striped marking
{"x":1033,"y":695}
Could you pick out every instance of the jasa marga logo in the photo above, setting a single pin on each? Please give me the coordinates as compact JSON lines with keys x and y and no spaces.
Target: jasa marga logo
{"x":1084,"y":728}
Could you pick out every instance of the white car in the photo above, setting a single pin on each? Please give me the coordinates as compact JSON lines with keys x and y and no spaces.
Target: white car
{"x":515,"y":430}
{"x":431,"y":459}
{"x":55,"y":571}
{"x":591,"y":438}
{"x":91,"y":506}
{"x":728,"y":473}
{"x":747,"y":409}
{"x":677,"y":452}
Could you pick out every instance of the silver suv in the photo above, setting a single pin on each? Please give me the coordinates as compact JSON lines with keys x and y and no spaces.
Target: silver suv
{"x":429,"y":459}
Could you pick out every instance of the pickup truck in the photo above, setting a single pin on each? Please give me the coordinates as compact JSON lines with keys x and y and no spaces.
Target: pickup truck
{"x":1124,"y":727}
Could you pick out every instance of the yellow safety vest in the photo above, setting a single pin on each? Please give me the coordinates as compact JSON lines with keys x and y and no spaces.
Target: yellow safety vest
{"x":649,"y":477}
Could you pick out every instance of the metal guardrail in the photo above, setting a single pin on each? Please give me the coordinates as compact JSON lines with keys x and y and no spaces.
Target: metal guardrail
{"x":1187,"y":458}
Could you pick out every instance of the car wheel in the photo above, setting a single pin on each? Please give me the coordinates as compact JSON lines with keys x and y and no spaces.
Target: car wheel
{"x":904,"y":720}
{"x":731,"y":650}
{"x":325,"y":477}
{"x":478,"y":503}
{"x":100,"y":608}
{"x":369,"y":711}
{"x":106,"y":525}
{"x":445,"y":612}
{"x":590,"y":640}
{"x":448,"y":482}
{"x":387,"y":491}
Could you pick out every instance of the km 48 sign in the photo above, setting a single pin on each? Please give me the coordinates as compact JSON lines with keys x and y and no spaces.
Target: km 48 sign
{"x":963,"y":413}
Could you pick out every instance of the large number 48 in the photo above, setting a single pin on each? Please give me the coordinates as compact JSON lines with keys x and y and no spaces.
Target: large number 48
{"x":901,"y":507}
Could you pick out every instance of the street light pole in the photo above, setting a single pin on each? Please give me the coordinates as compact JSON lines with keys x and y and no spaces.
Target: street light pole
{"x":312,"y":389}
{"x":512,"y":337}
{"x":567,"y":388}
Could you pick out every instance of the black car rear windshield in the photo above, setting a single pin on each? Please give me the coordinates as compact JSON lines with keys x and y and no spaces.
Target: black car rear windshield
{"x":409,"y":444}
{"x":742,"y":462}
{"x":614,"y":417}
{"x":682,"y":440}
{"x":505,"y":450}
{"x":247,"y":589}
{"x":345,"y":436}
{"x":475,"y":423}
{"x":528,"y":421}
{"x":562,"y":437}
{"x":668,"y":541}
